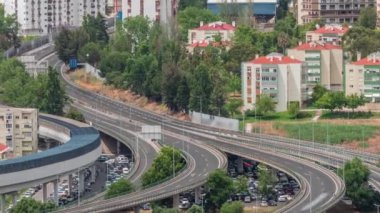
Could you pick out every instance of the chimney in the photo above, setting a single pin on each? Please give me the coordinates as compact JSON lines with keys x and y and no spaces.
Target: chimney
{"x":201,"y":24}
{"x":234,"y":23}
{"x":256,"y":56}
{"x":358,"y":56}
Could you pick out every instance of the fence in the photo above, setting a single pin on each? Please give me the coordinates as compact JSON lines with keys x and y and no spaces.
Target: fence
{"x":214,"y":121}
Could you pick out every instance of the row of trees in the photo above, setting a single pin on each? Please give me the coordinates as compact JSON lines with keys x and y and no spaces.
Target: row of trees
{"x":356,"y":176}
{"x":19,"y":89}
{"x":335,"y":99}
{"x":8,"y":30}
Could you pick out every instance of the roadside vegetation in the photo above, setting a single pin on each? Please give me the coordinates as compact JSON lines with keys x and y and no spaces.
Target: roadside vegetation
{"x":119,"y":188}
{"x":356,"y":176}
{"x":30,"y":205}
{"x":328,"y":133}
{"x":162,"y":167}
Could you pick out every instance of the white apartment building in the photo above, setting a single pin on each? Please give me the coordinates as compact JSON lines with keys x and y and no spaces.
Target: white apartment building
{"x":276,"y":75}
{"x":156,"y":10}
{"x":19,"y":130}
{"x":38,"y":17}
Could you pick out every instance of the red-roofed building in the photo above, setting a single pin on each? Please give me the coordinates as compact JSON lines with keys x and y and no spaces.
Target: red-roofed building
{"x":276,"y":75}
{"x":324,"y":62}
{"x":363,"y":77}
{"x":328,"y":33}
{"x":4,"y":149}
{"x":208,"y":32}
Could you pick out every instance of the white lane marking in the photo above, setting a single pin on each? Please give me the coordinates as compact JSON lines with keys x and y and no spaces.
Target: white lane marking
{"x":315,"y":201}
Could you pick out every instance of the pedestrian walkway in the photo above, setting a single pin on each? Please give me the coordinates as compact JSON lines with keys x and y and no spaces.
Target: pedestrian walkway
{"x":317,"y":115}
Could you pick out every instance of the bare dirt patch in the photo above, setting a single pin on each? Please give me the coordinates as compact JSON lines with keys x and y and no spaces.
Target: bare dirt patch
{"x":90,"y":83}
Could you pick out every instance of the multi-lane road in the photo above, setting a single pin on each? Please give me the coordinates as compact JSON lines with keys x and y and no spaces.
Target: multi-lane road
{"x":321,"y":187}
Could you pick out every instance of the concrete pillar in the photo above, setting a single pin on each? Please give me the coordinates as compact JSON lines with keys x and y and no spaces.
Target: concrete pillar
{"x":2,"y":203}
{"x":14,"y":198}
{"x":197,"y":195}
{"x":55,"y":191}
{"x":118,"y":147}
{"x":44,"y":192}
{"x":240,"y":168}
{"x":176,"y":201}
{"x":70,"y":183}
{"x":136,"y":209}
{"x":81,"y":182}
{"x":93,"y":173}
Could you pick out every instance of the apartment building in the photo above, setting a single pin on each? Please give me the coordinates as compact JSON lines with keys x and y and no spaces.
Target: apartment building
{"x":39,"y":17}
{"x":18,"y":130}
{"x":331,"y":11}
{"x":156,"y":10}
{"x":324,"y":62}
{"x":207,"y":32}
{"x":328,"y":34}
{"x":276,"y":75}
{"x":363,"y":77}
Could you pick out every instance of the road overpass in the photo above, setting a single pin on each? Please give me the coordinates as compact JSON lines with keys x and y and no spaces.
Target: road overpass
{"x":80,"y":151}
{"x":326,"y":188}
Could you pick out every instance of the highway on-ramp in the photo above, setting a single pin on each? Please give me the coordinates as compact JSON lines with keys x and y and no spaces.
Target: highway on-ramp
{"x":322,"y":188}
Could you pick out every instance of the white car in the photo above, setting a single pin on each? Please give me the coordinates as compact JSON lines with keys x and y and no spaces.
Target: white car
{"x":282,"y":198}
{"x":125,"y":170}
{"x":264,"y":203}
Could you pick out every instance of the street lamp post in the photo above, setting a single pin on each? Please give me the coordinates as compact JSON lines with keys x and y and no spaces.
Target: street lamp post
{"x":310,"y":192}
{"x":377,"y":207}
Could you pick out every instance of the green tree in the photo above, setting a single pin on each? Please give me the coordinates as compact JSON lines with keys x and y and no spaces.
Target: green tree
{"x":162,"y":166}
{"x":200,"y":88}
{"x":195,"y":209}
{"x":283,"y":41}
{"x":232,"y":207}
{"x":121,"y":187}
{"x":240,"y":184}
{"x":68,"y":43}
{"x":356,"y":174}
{"x":8,"y":30}
{"x":266,"y":181}
{"x":218,"y":194}
{"x":183,"y":4}
{"x":55,"y":94}
{"x":354,"y":101}
{"x":90,"y":53}
{"x":30,"y":205}
{"x":165,"y":210}
{"x":74,"y":114}
{"x":318,"y":92}
{"x":233,"y":106}
{"x":294,"y":109}
{"x":265,"y":104}
{"x":137,"y":30}
{"x":96,"y":28}
{"x":332,"y":100}
{"x":191,"y":17}
{"x":368,"y":17}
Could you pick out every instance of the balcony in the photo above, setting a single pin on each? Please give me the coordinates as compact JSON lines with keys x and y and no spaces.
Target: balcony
{"x":312,"y":58}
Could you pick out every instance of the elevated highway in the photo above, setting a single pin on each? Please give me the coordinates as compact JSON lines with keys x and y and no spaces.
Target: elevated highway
{"x":321,"y":187}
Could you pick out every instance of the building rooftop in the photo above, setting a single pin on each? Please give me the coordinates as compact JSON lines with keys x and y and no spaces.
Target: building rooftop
{"x":206,"y":43}
{"x":11,"y":109}
{"x":371,"y":59}
{"x":3,"y":148}
{"x":332,"y":29}
{"x":216,"y":26}
{"x":275,"y":58}
{"x":317,"y":46}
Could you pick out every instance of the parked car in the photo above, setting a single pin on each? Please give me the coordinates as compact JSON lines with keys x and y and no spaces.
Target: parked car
{"x":125,"y":170}
{"x":264,"y":203}
{"x":247,"y":199}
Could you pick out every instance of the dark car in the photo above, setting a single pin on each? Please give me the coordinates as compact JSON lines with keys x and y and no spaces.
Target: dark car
{"x":272,"y":203}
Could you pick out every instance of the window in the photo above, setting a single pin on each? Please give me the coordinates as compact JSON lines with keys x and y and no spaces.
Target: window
{"x":249,"y":69}
{"x":257,"y":70}
{"x":265,"y":78}
{"x":8,"y":125}
{"x":352,"y":86}
{"x":17,"y":126}
{"x":273,"y":78}
{"x":351,"y":70}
